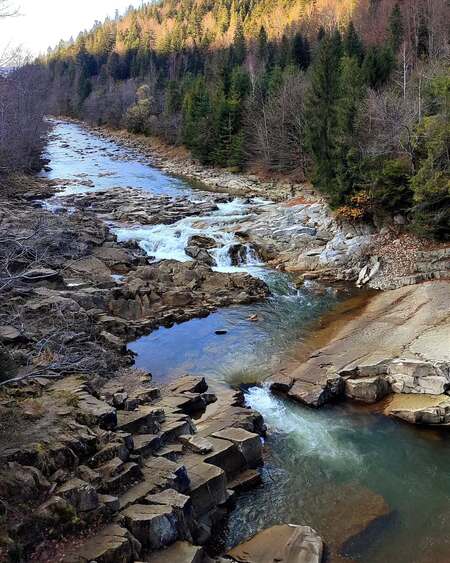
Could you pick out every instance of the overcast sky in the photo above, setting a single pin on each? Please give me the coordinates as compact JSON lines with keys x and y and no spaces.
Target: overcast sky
{"x":42,"y":23}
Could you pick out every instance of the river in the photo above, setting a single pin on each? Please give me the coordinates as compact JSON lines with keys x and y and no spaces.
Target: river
{"x":323,"y":467}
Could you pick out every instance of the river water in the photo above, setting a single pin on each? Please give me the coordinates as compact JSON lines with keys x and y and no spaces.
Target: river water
{"x":327,"y":468}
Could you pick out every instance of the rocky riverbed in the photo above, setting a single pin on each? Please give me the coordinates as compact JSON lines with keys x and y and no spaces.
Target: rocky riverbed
{"x":301,"y":235}
{"x":107,"y":464}
{"x":72,"y":297}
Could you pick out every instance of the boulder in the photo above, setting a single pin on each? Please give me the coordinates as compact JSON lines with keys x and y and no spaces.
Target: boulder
{"x":316,"y":392}
{"x":200,"y":254}
{"x":226,"y":455}
{"x":81,"y":495}
{"x":145,"y":419}
{"x":281,"y":382}
{"x":154,"y":526}
{"x":417,"y":376}
{"x":43,"y":276}
{"x":285,"y":543}
{"x":197,"y":444}
{"x":91,"y":268}
{"x":247,"y":443}
{"x":367,"y":389}
{"x":208,"y":487}
{"x":9,"y":334}
{"x":202,"y":241}
{"x":91,"y":410}
{"x":238,"y":254}
{"x":181,"y":506}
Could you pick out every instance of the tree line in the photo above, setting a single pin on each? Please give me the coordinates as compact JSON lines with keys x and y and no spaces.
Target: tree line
{"x":22,"y":108}
{"x":365,"y":118}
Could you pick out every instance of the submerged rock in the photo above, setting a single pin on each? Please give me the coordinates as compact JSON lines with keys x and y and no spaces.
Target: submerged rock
{"x":286,"y":543}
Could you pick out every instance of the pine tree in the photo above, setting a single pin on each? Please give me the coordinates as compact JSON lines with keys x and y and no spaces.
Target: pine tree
{"x":321,"y":113}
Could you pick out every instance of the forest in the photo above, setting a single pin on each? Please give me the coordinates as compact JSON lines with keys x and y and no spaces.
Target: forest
{"x":351,"y":95}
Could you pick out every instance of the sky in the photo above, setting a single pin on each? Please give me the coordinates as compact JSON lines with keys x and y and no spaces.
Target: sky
{"x":42,"y":23}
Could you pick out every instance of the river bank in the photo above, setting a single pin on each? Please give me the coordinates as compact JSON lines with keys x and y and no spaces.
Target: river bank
{"x":101,"y":266}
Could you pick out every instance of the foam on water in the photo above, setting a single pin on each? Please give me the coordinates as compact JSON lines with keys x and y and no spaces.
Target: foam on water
{"x":311,"y":433}
{"x":168,"y":242}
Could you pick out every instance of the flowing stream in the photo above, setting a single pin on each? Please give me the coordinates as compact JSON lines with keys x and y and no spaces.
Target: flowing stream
{"x":324,"y":468}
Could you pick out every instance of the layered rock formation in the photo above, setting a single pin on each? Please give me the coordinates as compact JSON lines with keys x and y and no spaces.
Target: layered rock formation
{"x":397,"y":344}
{"x":94,"y":293}
{"x":145,"y":474}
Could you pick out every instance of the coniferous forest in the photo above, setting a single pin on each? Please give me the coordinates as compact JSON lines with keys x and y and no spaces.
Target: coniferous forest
{"x":351,"y":95}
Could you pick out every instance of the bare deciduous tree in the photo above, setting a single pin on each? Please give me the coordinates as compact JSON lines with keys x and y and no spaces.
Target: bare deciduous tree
{"x":279,"y":127}
{"x":22,"y":108}
{"x":387,"y":121}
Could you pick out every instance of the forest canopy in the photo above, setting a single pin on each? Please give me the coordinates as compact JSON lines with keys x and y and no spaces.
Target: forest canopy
{"x":352,"y":95}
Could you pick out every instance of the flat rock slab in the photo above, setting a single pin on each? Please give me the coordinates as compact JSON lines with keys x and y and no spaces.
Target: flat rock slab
{"x":189,"y":383}
{"x":111,"y":545}
{"x":420,"y":409}
{"x":408,"y":322}
{"x":179,"y":552}
{"x":352,"y":515}
{"x":284,"y":544}
{"x":143,"y":418}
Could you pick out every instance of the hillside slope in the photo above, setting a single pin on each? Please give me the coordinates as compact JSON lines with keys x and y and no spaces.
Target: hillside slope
{"x":351,"y":94}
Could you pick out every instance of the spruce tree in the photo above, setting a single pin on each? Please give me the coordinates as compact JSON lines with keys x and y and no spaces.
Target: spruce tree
{"x":196,"y":120}
{"x":396,"y":28}
{"x":378,"y":65}
{"x":262,"y":44}
{"x":351,"y":92}
{"x":301,"y":54}
{"x":239,"y":44}
{"x":321,"y":113}
{"x":353,"y":46}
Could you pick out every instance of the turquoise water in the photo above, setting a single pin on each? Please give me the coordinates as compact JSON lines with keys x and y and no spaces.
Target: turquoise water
{"x":323,"y":468}
{"x":250,"y":351}
{"x":318,"y":458}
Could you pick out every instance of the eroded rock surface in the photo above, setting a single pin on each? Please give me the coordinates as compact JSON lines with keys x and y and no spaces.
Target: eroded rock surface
{"x":128,"y":205}
{"x":137,"y":477}
{"x":285,"y":543}
{"x":397,"y":344}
